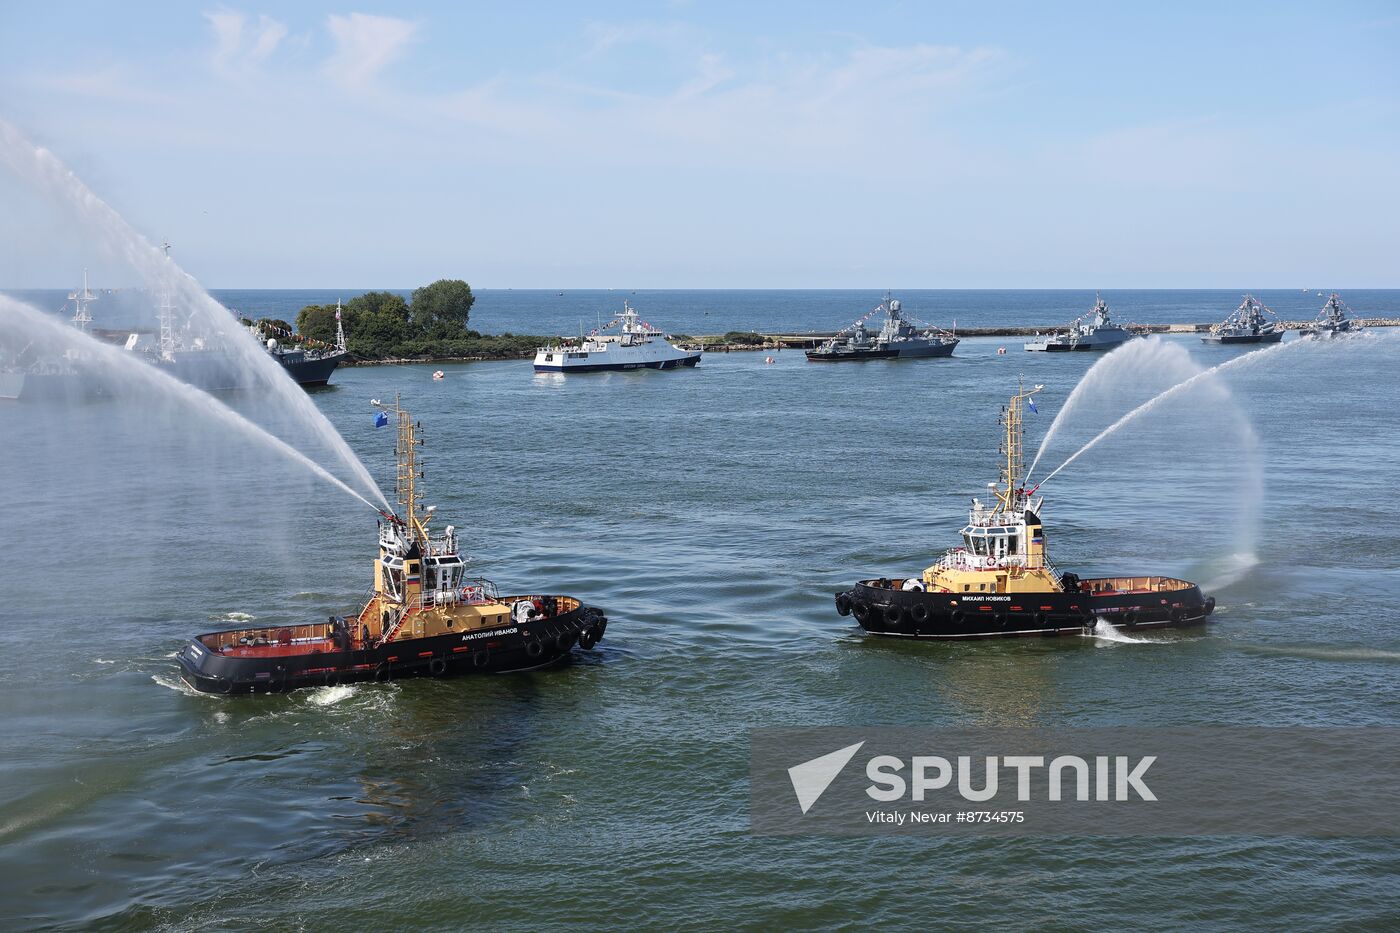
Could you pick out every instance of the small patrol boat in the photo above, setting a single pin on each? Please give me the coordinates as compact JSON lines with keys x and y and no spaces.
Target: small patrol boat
{"x":1093,"y":330}
{"x":1332,"y":320}
{"x":637,"y":345}
{"x":1001,"y":582}
{"x":424,"y":617}
{"x":897,"y":338}
{"x":1251,"y":322}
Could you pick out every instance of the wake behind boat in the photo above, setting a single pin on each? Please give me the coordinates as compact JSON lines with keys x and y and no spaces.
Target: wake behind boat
{"x":424,"y":617}
{"x":1001,"y":582}
{"x":898,"y":338}
{"x":637,"y":345}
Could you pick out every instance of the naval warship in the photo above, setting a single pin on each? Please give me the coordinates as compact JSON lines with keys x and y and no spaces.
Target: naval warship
{"x":1332,"y":320}
{"x":1094,"y":330}
{"x":897,"y":338}
{"x":1251,"y":322}
{"x":1000,"y":580}
{"x":636,"y":345}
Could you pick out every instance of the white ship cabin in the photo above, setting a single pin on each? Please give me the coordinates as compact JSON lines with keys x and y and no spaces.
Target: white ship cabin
{"x":404,"y":574}
{"x":1003,"y":550}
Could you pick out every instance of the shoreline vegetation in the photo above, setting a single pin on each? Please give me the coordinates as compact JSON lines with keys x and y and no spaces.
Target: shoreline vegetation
{"x":383,"y":328}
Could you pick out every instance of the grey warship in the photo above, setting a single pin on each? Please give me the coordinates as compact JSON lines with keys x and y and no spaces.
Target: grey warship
{"x":898,"y":338}
{"x":1093,"y":330}
{"x":1251,"y":322}
{"x":1332,"y":320}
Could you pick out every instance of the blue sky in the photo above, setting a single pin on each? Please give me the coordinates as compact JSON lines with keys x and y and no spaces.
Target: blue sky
{"x":720,"y":145}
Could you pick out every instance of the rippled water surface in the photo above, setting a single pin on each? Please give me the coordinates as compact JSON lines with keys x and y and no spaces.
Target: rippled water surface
{"x":712,"y":513}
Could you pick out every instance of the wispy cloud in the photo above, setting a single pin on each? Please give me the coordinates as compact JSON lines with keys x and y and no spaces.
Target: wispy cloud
{"x":231,"y":52}
{"x":365,"y":45}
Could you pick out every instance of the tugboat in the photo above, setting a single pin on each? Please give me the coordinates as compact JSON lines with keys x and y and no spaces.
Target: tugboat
{"x":1093,"y":330}
{"x":1001,"y":582}
{"x":897,"y":338}
{"x":637,"y":345}
{"x":1251,"y":322}
{"x":1332,"y":320}
{"x":424,"y":617}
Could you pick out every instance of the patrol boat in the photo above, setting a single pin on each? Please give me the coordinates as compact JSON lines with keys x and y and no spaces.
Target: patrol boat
{"x":1093,"y":330}
{"x":898,"y":338}
{"x":1332,"y":320}
{"x":637,"y":345}
{"x":424,"y":617}
{"x":1251,"y":322}
{"x":1001,"y":581}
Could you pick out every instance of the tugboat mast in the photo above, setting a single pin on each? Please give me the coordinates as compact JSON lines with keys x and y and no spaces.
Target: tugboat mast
{"x":408,"y":474}
{"x":1011,"y":496}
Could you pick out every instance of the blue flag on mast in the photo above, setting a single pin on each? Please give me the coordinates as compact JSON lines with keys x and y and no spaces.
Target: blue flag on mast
{"x":381,"y":419}
{"x":1031,"y":402}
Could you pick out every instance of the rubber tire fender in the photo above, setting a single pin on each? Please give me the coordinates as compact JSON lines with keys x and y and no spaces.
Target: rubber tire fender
{"x":893,"y":615}
{"x":437,"y":667}
{"x":843,"y":604}
{"x":562,"y":642}
{"x":957,"y":617}
{"x":533,"y":648}
{"x":383,"y":672}
{"x":861,"y":610}
{"x":481,"y":658}
{"x":919,"y":613}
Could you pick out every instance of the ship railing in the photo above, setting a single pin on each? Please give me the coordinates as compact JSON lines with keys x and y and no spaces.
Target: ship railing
{"x":472,"y":592}
{"x":963,"y":559}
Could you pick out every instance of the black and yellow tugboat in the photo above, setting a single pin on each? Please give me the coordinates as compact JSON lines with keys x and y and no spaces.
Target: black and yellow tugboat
{"x":424,"y":617}
{"x":1001,"y":581}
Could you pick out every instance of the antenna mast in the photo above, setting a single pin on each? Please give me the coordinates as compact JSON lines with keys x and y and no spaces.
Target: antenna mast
{"x":1010,"y":495}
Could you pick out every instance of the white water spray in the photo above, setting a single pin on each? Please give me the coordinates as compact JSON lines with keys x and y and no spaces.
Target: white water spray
{"x":1105,"y":632}
{"x":1152,"y":355}
{"x":47,"y":173}
{"x":24,"y":321}
{"x":1157,"y":400}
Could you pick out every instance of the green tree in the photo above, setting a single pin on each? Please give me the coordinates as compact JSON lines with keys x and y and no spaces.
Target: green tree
{"x":440,"y":311}
{"x":317,"y":322}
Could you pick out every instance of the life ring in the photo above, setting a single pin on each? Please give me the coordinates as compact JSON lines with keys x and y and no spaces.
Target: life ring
{"x":861,"y":610}
{"x":843,"y":604}
{"x":893,"y":615}
{"x":919,"y":613}
{"x":383,"y":671}
{"x":533,"y":648}
{"x":437,"y":667}
{"x":989,"y":562}
{"x":468,"y":592}
{"x":480,"y":658}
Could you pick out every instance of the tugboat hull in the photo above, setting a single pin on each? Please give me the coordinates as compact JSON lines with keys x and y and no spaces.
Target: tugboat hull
{"x":882,"y":608}
{"x":512,"y":647}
